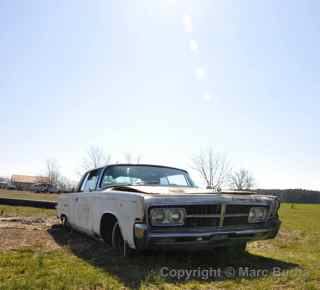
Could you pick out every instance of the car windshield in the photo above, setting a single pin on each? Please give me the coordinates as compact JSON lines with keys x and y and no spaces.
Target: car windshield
{"x":145,"y":175}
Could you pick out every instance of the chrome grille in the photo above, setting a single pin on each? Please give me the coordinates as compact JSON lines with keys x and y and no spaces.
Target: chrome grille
{"x":201,"y":222}
{"x":202,"y":215}
{"x":217,"y":215}
{"x":235,"y":221}
{"x":238,"y":209}
{"x":203,"y":209}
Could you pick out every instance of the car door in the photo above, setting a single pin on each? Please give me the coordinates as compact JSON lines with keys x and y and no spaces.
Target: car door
{"x":84,"y":202}
{"x":73,"y":200}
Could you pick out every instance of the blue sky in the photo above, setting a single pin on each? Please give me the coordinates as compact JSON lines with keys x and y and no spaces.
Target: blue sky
{"x":164,"y":79}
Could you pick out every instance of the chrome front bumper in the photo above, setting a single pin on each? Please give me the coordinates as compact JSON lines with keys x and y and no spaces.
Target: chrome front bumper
{"x":148,"y":238}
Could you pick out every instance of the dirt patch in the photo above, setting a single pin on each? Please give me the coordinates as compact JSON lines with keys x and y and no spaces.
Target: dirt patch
{"x":290,"y":236}
{"x":21,"y":232}
{"x":45,"y":233}
{"x":30,"y":223}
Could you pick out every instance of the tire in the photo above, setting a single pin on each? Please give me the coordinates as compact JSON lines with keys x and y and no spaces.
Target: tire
{"x":65,"y":223}
{"x":119,"y":244}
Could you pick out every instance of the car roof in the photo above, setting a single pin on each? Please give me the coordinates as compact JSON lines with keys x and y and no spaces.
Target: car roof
{"x":140,"y":164}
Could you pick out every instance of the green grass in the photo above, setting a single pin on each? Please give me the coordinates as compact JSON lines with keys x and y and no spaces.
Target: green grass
{"x":86,"y":264}
{"x":26,"y":269}
{"x":8,"y":211}
{"x":27,"y":195}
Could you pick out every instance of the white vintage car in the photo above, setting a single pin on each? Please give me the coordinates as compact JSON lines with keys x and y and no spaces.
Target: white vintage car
{"x":138,"y":207}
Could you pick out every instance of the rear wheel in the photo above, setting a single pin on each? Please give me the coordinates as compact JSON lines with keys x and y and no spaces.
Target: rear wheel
{"x":119,"y":243}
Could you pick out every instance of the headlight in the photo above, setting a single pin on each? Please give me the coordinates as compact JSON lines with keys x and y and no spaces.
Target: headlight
{"x":257,"y":214}
{"x":158,"y":215}
{"x":167,"y":216}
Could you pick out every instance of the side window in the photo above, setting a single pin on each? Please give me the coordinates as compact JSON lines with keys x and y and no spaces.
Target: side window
{"x":89,"y":182}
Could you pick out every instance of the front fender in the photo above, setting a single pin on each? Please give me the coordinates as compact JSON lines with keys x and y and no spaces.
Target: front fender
{"x":126,"y":209}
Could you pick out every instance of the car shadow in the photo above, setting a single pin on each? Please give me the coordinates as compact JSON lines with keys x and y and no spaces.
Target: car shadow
{"x":169,"y":266}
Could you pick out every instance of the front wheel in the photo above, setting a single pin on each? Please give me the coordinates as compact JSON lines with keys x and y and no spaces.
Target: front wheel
{"x":65,"y":223}
{"x":118,"y":243}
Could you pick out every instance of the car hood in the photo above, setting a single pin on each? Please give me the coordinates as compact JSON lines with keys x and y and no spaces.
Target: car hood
{"x":189,"y":195}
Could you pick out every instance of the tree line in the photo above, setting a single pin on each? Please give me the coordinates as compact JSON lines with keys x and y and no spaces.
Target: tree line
{"x":213,"y":168}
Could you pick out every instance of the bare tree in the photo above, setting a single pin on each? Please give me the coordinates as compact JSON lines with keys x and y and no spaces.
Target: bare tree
{"x":242,"y":180}
{"x":213,"y":168}
{"x":130,"y":158}
{"x":95,"y":158}
{"x":52,"y":172}
{"x":65,"y":184}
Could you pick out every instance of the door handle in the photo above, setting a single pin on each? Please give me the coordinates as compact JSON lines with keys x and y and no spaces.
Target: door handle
{"x":77,"y":199}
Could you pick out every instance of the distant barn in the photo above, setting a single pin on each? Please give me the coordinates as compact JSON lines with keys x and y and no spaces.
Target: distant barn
{"x":24,"y":182}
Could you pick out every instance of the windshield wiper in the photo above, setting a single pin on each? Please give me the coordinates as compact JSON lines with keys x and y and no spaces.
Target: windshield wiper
{"x":115,"y":184}
{"x":122,"y":184}
{"x":152,"y":183}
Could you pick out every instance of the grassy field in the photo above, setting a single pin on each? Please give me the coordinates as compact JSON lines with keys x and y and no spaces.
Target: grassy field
{"x":290,"y":261}
{"x":10,"y":211}
{"x":27,"y":195}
